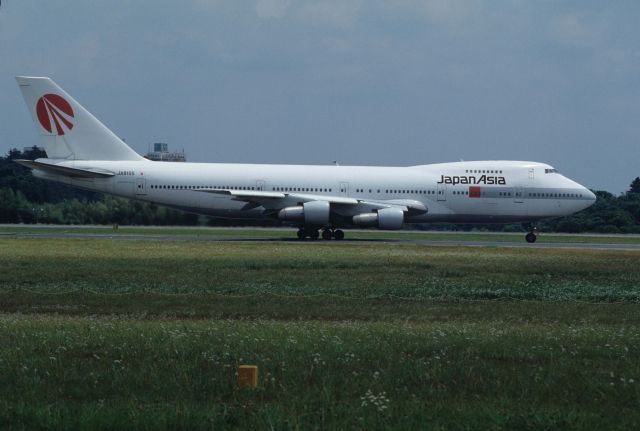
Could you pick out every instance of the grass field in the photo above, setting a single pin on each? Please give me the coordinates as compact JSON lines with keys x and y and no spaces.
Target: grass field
{"x":101,"y":334}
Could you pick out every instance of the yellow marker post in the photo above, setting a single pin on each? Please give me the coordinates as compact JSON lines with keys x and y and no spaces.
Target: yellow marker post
{"x":247,"y":376}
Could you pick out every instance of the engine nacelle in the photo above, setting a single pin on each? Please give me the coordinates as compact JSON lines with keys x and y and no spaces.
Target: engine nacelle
{"x":291,"y":214}
{"x":387,"y":218}
{"x":390,"y":218}
{"x":366,"y":220}
{"x":314,"y":213}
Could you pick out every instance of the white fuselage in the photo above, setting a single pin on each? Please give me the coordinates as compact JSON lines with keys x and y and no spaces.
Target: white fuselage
{"x":459,"y":192}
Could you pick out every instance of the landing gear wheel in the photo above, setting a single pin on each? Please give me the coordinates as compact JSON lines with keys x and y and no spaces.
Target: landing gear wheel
{"x":338,"y":234}
{"x":314,"y":234}
{"x":531,"y":237}
{"x":326,"y":234}
{"x":301,"y":234}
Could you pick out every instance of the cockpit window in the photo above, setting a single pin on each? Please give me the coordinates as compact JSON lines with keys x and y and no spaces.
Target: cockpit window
{"x":551,"y":171}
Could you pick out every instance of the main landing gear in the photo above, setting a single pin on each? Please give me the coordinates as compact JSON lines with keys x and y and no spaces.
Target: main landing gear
{"x":314,"y":234}
{"x":532,"y":236}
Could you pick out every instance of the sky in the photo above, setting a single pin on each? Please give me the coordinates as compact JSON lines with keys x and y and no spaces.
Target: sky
{"x":385,"y":83}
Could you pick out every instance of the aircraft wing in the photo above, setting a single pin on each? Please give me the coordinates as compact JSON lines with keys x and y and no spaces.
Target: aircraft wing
{"x":258,"y":196}
{"x":274,"y":201}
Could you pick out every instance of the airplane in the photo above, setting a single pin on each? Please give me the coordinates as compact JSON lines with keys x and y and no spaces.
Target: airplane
{"x":84,"y":153}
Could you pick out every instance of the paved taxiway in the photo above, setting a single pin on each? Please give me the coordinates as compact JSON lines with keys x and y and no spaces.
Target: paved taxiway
{"x":214,"y":238}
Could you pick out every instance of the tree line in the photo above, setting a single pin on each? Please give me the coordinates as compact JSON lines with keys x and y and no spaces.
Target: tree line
{"x":27,"y":199}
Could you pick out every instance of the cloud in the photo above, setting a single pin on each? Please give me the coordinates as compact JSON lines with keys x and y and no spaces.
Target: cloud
{"x":571,"y":31}
{"x":340,"y":13}
{"x":450,"y":11}
{"x":268,"y":9}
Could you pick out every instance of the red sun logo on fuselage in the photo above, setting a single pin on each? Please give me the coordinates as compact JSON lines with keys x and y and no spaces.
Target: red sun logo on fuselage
{"x":51,"y":110}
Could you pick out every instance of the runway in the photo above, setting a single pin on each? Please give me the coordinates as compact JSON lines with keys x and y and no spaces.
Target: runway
{"x":346,"y":241}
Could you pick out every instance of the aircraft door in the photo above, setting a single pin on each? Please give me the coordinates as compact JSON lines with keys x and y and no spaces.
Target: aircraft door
{"x":260,"y":185}
{"x":344,"y":189}
{"x":441,"y":191}
{"x":518,"y":194}
{"x":141,"y":186}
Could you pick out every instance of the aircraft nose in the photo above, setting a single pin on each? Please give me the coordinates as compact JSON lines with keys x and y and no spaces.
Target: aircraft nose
{"x":591,"y":197}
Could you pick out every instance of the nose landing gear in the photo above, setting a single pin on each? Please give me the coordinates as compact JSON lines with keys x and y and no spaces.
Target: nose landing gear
{"x":532,"y":236}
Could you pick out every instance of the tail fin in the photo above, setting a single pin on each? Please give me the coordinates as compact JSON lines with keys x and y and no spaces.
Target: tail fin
{"x":68,"y":131}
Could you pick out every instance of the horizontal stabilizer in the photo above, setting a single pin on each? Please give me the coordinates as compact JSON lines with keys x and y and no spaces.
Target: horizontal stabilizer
{"x":65,"y":170}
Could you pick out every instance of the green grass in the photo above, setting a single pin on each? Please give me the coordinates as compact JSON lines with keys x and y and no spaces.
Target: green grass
{"x":261,"y":233}
{"x":111,"y":373}
{"x":344,"y":271}
{"x":101,"y":334}
{"x":151,"y":230}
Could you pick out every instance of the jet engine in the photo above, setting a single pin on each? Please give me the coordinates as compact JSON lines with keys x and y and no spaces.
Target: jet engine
{"x":387,"y":218}
{"x":314,"y":213}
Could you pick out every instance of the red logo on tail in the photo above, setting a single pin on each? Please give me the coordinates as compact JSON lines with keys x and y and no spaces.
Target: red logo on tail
{"x":53,"y":107}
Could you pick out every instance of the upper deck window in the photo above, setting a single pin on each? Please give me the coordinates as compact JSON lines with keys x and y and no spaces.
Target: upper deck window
{"x":551,"y":171}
